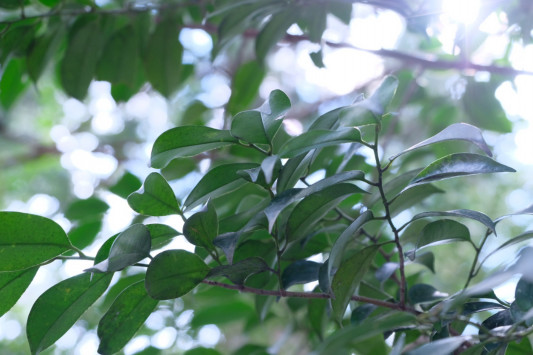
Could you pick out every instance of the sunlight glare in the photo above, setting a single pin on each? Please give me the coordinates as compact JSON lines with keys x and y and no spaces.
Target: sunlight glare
{"x":461,"y":11}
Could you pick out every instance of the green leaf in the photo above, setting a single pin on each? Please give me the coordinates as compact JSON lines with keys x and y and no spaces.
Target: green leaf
{"x":125,"y":316}
{"x":127,"y":184}
{"x":443,"y":231}
{"x":439,"y":347}
{"x":300,"y":272}
{"x":457,"y":165}
{"x":342,"y":339}
{"x":308,"y":212}
{"x":240,"y":271}
{"x":273,"y":31}
{"x":84,"y":233}
{"x":161,"y":234}
{"x":85,"y":44}
{"x":155,"y":199}
{"x":524,"y":294}
{"x":217,"y":182}
{"x":120,"y":61}
{"x":260,"y":126}
{"x":129,"y":247}
{"x":426,"y":259}
{"x":412,"y":197}
{"x":27,"y":240}
{"x":474,"y":215}
{"x":244,"y":86}
{"x":173,"y":273}
{"x":456,"y":131}
{"x":317,"y":139}
{"x":293,"y":170}
{"x":80,"y":210}
{"x":162,"y":61}
{"x":50,"y":3}
{"x":187,"y":141}
{"x":317,"y":58}
{"x":348,"y":277}
{"x":201,"y":351}
{"x":12,"y":83}
{"x":12,"y":286}
{"x":422,"y":293}
{"x":362,"y":312}
{"x":474,"y":307}
{"x":59,"y":307}
{"x":202,"y":227}
{"x":335,"y":256}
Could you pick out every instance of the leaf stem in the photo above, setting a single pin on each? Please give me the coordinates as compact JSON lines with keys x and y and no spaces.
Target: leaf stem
{"x":403,"y":282}
{"x":473,"y":271}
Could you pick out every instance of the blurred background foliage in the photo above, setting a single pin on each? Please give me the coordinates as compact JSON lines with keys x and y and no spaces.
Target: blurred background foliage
{"x":86,"y":87}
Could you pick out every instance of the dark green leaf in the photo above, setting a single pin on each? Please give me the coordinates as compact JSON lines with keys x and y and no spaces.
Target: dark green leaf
{"x":173,"y":273}
{"x":129,"y":247}
{"x":84,"y":234}
{"x":457,"y":165}
{"x":202,"y":227}
{"x":412,"y":197}
{"x":474,"y":307}
{"x":335,"y":256}
{"x":248,"y":126}
{"x":201,"y":351}
{"x":360,"y":313}
{"x":348,"y":277}
{"x":187,"y":141}
{"x":499,"y":319}
{"x":317,"y":58}
{"x":59,"y":307}
{"x":273,"y":31}
{"x":127,"y":184}
{"x":80,"y":210}
{"x":125,"y":316}
{"x":475,"y":215}
{"x":161,"y":234}
{"x":300,"y":272}
{"x":293,"y":170}
{"x":245,"y":86}
{"x":307,"y":213}
{"x":318,"y":139}
{"x":162,"y":61}
{"x":85,"y":44}
{"x":422,"y":293}
{"x":524,"y":294}
{"x":155,"y":199}
{"x":12,"y":286}
{"x":240,"y":271}
{"x":27,"y":240}
{"x":443,"y":231}
{"x":439,"y":347}
{"x":217,"y":182}
{"x":12,"y":83}
{"x":343,"y":338}
{"x":456,"y":131}
{"x":316,"y":312}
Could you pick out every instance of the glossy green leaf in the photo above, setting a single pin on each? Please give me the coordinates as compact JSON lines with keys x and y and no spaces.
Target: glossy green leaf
{"x":12,"y":286}
{"x":422,"y":293}
{"x":85,"y":44}
{"x":127,"y":184}
{"x":308,"y":212}
{"x":440,"y":347}
{"x":173,"y":273}
{"x":80,"y":210}
{"x":442,"y":231}
{"x":335,"y":256}
{"x":27,"y":240}
{"x":12,"y":82}
{"x":59,"y":307}
{"x":125,"y":316}
{"x":155,"y":199}
{"x":218,"y":181}
{"x":318,"y":139}
{"x":202,"y":227}
{"x":187,"y":141}
{"x":456,"y":131}
{"x":474,"y":215}
{"x":457,"y":165}
{"x":273,"y":31}
{"x":347,"y":278}
{"x":129,"y":247}
{"x":162,"y":62}
{"x":260,"y":126}
{"x":161,"y":234}
{"x":342,"y":339}
{"x":240,"y":271}
{"x":300,"y":272}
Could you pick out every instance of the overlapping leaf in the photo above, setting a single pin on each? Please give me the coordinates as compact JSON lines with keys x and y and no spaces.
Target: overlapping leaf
{"x":240,"y":271}
{"x":202,"y":227}
{"x":318,"y":139}
{"x":12,"y":286}
{"x":155,"y":199}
